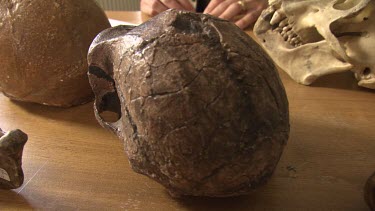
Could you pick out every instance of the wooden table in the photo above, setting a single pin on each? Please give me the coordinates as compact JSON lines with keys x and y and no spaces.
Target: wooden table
{"x":70,"y":162}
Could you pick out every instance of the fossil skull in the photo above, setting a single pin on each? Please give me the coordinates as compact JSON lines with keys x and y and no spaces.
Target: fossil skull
{"x":199,"y":105}
{"x":312,"y":38}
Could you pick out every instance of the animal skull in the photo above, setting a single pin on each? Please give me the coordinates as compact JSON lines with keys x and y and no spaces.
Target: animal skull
{"x":312,"y":38}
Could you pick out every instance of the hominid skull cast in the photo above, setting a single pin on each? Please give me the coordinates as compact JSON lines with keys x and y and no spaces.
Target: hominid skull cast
{"x":199,"y":105}
{"x":312,"y":38}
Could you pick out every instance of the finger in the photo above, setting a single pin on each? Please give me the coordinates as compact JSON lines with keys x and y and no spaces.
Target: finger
{"x":186,"y":4}
{"x":172,"y":4}
{"x":152,"y":7}
{"x":232,"y":11}
{"x":221,"y":8}
{"x":212,"y":5}
{"x":257,"y":5}
{"x":218,"y":9}
{"x":248,"y":19}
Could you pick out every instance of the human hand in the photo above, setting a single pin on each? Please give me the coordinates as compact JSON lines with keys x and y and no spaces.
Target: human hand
{"x":248,"y":11}
{"x":154,"y":7}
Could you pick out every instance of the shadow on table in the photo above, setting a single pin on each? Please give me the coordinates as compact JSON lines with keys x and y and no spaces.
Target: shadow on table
{"x":82,"y":114}
{"x":218,"y":204}
{"x":10,"y":200}
{"x":246,"y":202}
{"x":344,"y":80}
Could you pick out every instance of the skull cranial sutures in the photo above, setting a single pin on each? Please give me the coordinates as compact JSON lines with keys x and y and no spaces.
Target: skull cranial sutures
{"x":202,"y":109}
{"x":312,"y":38}
{"x":11,"y":148}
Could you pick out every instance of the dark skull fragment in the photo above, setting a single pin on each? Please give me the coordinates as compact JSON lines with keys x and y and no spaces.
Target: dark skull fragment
{"x":370,"y":192}
{"x":11,"y":148}
{"x":199,"y":105}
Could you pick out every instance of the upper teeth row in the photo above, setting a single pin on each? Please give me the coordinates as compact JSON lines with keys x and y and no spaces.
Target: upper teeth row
{"x":277,"y":17}
{"x":285,"y":29}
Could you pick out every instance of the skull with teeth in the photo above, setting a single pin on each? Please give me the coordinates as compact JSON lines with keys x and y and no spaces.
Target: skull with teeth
{"x":312,"y":38}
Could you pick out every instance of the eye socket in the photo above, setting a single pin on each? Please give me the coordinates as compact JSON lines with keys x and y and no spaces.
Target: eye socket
{"x":346,"y":4}
{"x":110,"y":107}
{"x":366,"y":71}
{"x":107,"y":101}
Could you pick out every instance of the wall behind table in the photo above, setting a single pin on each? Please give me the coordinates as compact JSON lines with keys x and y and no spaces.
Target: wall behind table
{"x":124,"y":5}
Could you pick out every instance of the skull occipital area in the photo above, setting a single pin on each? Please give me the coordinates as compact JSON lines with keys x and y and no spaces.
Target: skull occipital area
{"x":310,"y":39}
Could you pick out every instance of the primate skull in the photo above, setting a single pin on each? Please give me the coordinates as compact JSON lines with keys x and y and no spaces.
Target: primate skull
{"x":199,"y":105}
{"x":312,"y":38}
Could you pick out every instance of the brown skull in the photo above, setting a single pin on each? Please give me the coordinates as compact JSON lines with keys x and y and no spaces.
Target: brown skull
{"x":44,"y":46}
{"x":200,"y":106}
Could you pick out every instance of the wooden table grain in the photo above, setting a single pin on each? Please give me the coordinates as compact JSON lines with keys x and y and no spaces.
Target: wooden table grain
{"x":71,"y":163}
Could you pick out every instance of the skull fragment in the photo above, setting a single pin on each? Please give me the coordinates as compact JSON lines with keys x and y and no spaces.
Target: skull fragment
{"x":370,"y":192}
{"x":11,"y":148}
{"x":312,"y":38}
{"x":200,"y":106}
